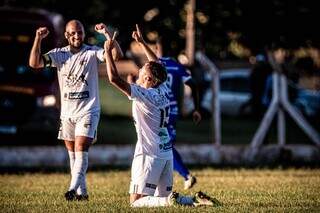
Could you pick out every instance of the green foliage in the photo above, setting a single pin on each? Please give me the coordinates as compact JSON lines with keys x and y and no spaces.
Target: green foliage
{"x":258,"y":23}
{"x":240,"y":190}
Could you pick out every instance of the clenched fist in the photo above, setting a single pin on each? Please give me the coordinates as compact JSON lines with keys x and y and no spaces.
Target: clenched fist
{"x":42,"y":32}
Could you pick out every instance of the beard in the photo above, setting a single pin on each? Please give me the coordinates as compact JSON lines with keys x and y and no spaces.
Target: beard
{"x":76,"y":44}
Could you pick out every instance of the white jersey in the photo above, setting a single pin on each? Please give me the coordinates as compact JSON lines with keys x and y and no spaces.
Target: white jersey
{"x":78,"y":79}
{"x":150,"y":110}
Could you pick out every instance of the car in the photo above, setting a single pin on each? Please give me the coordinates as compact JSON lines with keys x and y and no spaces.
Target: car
{"x":234,"y":93}
{"x":308,"y":102}
{"x":29,"y":103}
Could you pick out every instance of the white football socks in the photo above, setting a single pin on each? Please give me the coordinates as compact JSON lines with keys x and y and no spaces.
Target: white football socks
{"x":82,"y":187}
{"x":78,"y":177}
{"x":151,"y":201}
{"x":72,"y":158}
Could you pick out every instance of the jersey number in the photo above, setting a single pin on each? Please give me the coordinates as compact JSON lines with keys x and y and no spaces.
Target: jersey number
{"x":164,"y":117}
{"x":169,"y":80}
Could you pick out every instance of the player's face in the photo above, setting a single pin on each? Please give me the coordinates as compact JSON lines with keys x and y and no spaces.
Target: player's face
{"x":75,"y":35}
{"x":145,"y":78}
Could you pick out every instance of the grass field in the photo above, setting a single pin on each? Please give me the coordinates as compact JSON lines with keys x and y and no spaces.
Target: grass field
{"x":240,"y":190}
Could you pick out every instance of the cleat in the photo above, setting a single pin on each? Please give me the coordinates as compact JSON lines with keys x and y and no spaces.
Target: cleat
{"x":70,"y":195}
{"x":188,"y":184}
{"x":173,"y":199}
{"x":82,"y":197}
{"x":202,"y":199}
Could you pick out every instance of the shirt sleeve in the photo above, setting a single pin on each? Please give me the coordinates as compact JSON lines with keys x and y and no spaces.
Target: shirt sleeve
{"x":143,"y":95}
{"x":51,"y":58}
{"x":185,"y":75}
{"x":151,"y":96}
{"x":138,"y":93}
{"x":99,"y":53}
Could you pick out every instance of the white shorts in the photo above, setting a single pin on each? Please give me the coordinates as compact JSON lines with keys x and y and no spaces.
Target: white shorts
{"x":150,"y":175}
{"x":79,"y":126}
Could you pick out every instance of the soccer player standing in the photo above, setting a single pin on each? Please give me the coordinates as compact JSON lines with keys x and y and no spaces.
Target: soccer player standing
{"x":77,"y":70}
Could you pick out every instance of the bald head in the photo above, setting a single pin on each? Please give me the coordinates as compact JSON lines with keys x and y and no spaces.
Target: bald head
{"x":74,"y":23}
{"x":75,"y":34}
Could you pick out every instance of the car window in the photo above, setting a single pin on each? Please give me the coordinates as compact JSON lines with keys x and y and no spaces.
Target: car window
{"x":235,"y":84}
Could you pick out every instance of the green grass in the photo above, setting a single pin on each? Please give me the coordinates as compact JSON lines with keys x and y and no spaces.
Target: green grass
{"x":240,"y":190}
{"x":113,"y":102}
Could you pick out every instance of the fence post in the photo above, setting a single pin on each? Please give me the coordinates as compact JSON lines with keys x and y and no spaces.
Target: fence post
{"x":216,"y":111}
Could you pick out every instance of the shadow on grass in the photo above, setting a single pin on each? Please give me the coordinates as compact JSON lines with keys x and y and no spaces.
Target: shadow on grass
{"x":279,"y":165}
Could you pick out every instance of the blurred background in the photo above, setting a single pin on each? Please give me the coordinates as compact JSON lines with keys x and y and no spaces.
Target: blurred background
{"x":236,"y":35}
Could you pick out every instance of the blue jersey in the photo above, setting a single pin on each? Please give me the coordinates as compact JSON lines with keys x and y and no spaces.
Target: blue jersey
{"x":177,"y":74}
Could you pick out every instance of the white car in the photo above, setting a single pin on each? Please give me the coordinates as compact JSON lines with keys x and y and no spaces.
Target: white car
{"x":234,"y":93}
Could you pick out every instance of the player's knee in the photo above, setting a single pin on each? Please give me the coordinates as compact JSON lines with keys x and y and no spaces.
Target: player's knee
{"x":134,"y":197}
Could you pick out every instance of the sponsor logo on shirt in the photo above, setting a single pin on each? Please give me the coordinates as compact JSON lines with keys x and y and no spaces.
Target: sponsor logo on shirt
{"x":78,"y":95}
{"x":165,"y":146}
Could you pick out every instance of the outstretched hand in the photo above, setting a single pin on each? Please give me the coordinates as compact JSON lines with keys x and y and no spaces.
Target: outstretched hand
{"x":196,"y":117}
{"x":108,"y":44}
{"x":100,"y":28}
{"x":137,"y":35}
{"x":42,"y":32}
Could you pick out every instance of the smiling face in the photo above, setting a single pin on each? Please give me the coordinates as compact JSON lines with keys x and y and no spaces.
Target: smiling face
{"x":75,"y":34}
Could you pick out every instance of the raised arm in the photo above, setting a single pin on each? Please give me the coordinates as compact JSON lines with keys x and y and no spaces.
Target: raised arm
{"x":195,"y":96}
{"x":116,"y":50}
{"x":35,"y":58}
{"x":137,"y":36}
{"x":112,"y":71}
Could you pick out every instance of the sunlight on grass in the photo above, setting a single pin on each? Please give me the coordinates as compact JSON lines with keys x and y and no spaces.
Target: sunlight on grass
{"x":244,"y":190}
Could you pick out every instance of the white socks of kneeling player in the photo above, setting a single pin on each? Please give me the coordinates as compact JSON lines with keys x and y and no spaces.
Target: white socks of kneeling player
{"x":152,"y":201}
{"x":78,"y":168}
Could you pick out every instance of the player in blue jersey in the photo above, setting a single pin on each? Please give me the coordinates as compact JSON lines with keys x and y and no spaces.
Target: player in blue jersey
{"x":177,"y":74}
